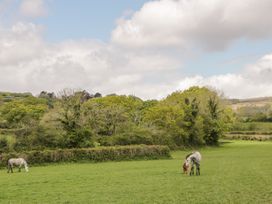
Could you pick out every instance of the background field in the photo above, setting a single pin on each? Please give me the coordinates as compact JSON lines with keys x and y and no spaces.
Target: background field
{"x":237,"y":172}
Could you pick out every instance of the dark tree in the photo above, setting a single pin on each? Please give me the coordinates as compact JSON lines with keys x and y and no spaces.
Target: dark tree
{"x":212,"y":126}
{"x":191,"y":112}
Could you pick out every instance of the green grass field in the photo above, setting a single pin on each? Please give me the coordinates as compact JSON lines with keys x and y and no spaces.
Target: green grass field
{"x":238,"y":172}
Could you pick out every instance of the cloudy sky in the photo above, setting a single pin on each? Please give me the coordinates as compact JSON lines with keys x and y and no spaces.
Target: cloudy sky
{"x":139,"y":47}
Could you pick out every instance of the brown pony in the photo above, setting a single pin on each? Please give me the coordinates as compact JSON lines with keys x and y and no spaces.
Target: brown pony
{"x":186,"y":165}
{"x":185,"y":168}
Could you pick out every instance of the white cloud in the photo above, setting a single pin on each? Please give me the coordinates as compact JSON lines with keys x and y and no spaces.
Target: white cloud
{"x":20,"y":42}
{"x":33,"y":8}
{"x":253,"y":81}
{"x":211,"y":24}
{"x":28,"y":63}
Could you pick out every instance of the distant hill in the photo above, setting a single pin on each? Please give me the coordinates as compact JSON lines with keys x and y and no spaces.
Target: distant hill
{"x":251,"y":102}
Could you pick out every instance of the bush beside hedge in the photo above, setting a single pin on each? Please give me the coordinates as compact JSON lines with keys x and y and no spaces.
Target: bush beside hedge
{"x":99,"y":154}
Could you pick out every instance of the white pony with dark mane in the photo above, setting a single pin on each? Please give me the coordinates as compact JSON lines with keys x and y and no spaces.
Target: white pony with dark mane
{"x":191,"y":160}
{"x":17,"y":162}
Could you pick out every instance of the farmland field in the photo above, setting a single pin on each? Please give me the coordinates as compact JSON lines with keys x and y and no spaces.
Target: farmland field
{"x":236,"y":172}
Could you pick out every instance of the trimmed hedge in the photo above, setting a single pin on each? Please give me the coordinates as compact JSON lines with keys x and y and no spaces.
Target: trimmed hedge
{"x":251,"y":132}
{"x":98,"y":154}
{"x":248,"y":137}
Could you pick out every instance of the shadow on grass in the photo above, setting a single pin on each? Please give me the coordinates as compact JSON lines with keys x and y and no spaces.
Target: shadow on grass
{"x":224,"y":142}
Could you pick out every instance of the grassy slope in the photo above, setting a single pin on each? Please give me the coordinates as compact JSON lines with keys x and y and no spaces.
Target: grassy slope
{"x":253,"y":102}
{"x":238,"y":172}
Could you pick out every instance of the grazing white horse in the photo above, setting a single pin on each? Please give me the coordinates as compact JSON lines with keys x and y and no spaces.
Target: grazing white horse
{"x":17,"y":162}
{"x":192,"y":159}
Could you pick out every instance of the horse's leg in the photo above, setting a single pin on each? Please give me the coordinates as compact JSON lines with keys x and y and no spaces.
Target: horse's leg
{"x":20,"y":166}
{"x":192,"y":170}
{"x":11,"y":168}
{"x":193,"y":164}
{"x":198,"y":169}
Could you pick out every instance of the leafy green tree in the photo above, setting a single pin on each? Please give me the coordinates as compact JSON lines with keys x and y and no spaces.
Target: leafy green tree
{"x":23,"y":113}
{"x":50,"y":98}
{"x":81,"y":119}
{"x":190,"y":124}
{"x":77,"y":135}
{"x":213,"y":127}
{"x":112,"y":114}
{"x":166,"y":121}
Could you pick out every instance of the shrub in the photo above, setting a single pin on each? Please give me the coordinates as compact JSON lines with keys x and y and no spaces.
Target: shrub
{"x":4,"y":144}
{"x":98,"y":154}
{"x":248,"y":137}
{"x":131,"y":139}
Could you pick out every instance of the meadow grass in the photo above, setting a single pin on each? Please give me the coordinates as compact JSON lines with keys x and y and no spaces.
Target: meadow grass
{"x":237,"y":172}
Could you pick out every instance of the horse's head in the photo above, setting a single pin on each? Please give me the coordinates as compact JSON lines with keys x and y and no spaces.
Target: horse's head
{"x":185,"y":167}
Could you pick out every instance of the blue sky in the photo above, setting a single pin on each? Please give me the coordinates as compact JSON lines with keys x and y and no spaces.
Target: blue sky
{"x":84,"y":19}
{"x":140,"y":47}
{"x":70,"y":19}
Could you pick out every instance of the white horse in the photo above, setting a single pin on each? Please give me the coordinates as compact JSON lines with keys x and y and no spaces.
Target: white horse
{"x":192,"y":159}
{"x":17,"y":162}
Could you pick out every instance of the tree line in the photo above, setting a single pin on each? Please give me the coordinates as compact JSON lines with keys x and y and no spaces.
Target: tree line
{"x":77,"y":119}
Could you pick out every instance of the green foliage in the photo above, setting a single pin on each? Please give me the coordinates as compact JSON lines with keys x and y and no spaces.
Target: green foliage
{"x":49,"y":97}
{"x":77,"y":138}
{"x":133,"y":136}
{"x":254,"y":113}
{"x":200,"y":95}
{"x":3,"y":144}
{"x":260,"y":131}
{"x":212,"y":127}
{"x":248,"y":136}
{"x":76,"y":134}
{"x":98,"y":154}
{"x":165,"y":124}
{"x":77,"y":119}
{"x":111,"y":114}
{"x":20,"y":113}
{"x":190,"y":122}
{"x":8,"y":97}
{"x":37,"y":138}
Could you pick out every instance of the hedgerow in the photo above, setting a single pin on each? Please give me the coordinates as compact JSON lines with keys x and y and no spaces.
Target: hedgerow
{"x":248,"y":137}
{"x":98,"y":154}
